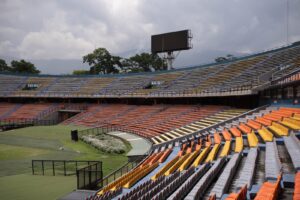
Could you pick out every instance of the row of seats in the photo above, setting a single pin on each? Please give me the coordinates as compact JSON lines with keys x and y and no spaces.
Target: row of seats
{"x":266,"y":126}
{"x":8,"y":87}
{"x":7,"y":108}
{"x":149,"y":194}
{"x":179,"y":162}
{"x":196,"y":126}
{"x":182,"y":191}
{"x":143,"y":188}
{"x":26,"y":112}
{"x":107,"y":196}
{"x":169,"y":189}
{"x":159,"y":188}
{"x":102,"y":114}
{"x":129,"y":179}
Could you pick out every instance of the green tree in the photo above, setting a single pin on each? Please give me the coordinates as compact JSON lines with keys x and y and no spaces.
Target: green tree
{"x":129,"y":66}
{"x":220,"y":59}
{"x":23,"y":66}
{"x":81,"y":72}
{"x":228,"y":57}
{"x":101,"y":61}
{"x":4,"y":66}
{"x":145,"y":62}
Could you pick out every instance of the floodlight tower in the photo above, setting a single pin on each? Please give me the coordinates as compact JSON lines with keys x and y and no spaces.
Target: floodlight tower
{"x":170,"y":42}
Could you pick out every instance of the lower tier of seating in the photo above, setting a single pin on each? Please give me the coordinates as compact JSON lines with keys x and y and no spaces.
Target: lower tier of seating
{"x":208,"y":166}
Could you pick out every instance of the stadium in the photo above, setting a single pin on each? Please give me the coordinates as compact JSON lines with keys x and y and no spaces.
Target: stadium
{"x":225,"y":130}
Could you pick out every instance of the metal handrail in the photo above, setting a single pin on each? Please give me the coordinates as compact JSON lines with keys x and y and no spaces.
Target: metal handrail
{"x":276,"y":81}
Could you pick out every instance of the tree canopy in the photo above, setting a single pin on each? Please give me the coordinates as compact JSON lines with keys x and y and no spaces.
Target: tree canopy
{"x":3,"y":66}
{"x":101,"y":61}
{"x":21,"y":66}
{"x":147,"y":62}
{"x":228,"y":57}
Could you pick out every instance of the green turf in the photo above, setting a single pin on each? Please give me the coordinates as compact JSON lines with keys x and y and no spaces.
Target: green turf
{"x":26,"y":186}
{"x":18,"y":147}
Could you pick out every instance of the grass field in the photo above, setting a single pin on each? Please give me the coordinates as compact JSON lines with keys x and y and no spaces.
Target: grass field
{"x":18,"y":147}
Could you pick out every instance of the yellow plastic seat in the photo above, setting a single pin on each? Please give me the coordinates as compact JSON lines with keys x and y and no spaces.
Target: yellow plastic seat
{"x":212,"y":154}
{"x":226,"y":149}
{"x":279,"y":130}
{"x":239,"y":145}
{"x":176,"y":165}
{"x":252,"y":139}
{"x":201,"y":157}
{"x":138,"y":176}
{"x":291,"y":123}
{"x":165,"y":168}
{"x":188,"y":161}
{"x":265,"y":134}
{"x":296,"y":117}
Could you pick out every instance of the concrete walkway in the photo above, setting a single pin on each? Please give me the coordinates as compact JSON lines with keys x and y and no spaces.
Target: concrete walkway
{"x":139,"y":145}
{"x":78,"y":195}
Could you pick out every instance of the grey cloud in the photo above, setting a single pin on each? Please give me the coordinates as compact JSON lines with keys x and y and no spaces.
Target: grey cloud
{"x":48,"y":31}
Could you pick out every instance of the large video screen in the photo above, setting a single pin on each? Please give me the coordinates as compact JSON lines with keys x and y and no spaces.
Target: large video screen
{"x":173,"y":41}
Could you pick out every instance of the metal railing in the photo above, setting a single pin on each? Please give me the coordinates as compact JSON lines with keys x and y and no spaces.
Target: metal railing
{"x":109,"y":128}
{"x":163,"y":94}
{"x":90,"y":177}
{"x":89,"y":173}
{"x":288,"y":78}
{"x":59,"y":167}
{"x":33,"y":122}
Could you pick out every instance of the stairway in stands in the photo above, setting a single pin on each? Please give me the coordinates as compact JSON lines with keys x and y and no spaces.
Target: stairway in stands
{"x":259,"y":176}
{"x":234,"y":185}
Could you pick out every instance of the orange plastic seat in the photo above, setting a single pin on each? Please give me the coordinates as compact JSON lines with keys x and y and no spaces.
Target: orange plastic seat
{"x":297,"y":187}
{"x":269,"y":191}
{"x":264,"y":121}
{"x":235,"y":132}
{"x":253,"y":124}
{"x":241,"y":195}
{"x":226,"y":135}
{"x":246,"y":129}
{"x":217,"y":138}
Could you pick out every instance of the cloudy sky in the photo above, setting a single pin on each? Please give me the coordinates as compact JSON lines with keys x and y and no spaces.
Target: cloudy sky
{"x":55,"y":34}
